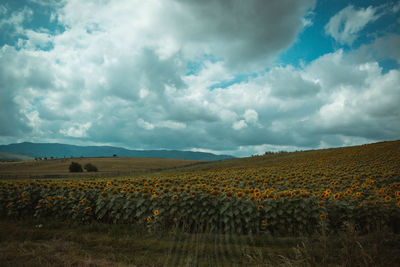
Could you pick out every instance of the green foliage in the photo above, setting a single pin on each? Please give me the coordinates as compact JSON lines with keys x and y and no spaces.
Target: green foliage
{"x":90,"y":167}
{"x":75,"y":167}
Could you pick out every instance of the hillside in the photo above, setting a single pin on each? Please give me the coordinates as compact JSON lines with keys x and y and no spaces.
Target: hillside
{"x":4,"y":156}
{"x":364,"y":156}
{"x":41,"y":150}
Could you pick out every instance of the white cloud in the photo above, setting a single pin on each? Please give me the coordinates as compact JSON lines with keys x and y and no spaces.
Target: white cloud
{"x":239,"y":125}
{"x":251,"y":116}
{"x":346,"y":25}
{"x":172,"y":125}
{"x":36,"y":40}
{"x":77,"y":130}
{"x":15,"y":19}
{"x":145,"y":125}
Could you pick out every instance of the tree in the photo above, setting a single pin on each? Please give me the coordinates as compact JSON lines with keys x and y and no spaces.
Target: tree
{"x":75,"y":167}
{"x":90,"y":167}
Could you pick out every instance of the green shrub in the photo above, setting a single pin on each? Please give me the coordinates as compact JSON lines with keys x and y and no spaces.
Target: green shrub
{"x":75,"y":167}
{"x":90,"y":167}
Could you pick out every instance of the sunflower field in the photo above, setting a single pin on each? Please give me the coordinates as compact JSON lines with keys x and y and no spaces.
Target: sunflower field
{"x":288,"y":194}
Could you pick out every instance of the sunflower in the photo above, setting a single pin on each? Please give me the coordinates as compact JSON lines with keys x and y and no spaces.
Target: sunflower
{"x":155,"y":213}
{"x":229,"y":194}
{"x":214,"y":192}
{"x":264,"y":223}
{"x":328,"y":192}
{"x":148,"y":219}
{"x":388,"y":198}
{"x":239,"y":194}
{"x":336,"y":196}
{"x":175,"y":197}
{"x":322,"y":216}
{"x":260,"y":207}
{"x":88,"y":208}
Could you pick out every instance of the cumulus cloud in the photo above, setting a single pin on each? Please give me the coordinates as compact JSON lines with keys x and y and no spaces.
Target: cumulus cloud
{"x":363,"y":107}
{"x":286,"y":82}
{"x":14,"y":19}
{"x":345,"y":26}
{"x":239,"y":125}
{"x":382,"y":48}
{"x":250,"y":116}
{"x":118,"y":74}
{"x":239,"y":32}
{"x":76,"y":130}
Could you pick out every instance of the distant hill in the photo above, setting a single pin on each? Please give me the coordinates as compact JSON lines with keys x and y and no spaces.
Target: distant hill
{"x":4,"y":156}
{"x":36,"y":150}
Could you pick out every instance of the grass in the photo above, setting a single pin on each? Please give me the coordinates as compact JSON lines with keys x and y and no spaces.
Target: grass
{"x":107,"y":166}
{"x":56,"y":243}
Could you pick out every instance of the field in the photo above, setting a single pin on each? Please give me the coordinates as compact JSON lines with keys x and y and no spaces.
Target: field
{"x":335,"y":206}
{"x":107,"y":166}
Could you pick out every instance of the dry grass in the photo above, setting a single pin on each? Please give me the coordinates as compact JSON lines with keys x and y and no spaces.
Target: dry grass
{"x":22,"y":243}
{"x":48,"y":253}
{"x":106,"y":166}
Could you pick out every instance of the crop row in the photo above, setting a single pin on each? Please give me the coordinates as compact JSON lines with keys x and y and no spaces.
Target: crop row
{"x":167,"y":203}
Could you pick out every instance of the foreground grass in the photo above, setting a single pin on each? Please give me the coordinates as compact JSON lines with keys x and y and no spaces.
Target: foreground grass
{"x":55,"y":243}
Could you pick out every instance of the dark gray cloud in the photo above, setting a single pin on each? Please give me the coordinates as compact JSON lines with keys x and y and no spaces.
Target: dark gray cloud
{"x":288,"y":83}
{"x":383,"y":48}
{"x":245,"y":33}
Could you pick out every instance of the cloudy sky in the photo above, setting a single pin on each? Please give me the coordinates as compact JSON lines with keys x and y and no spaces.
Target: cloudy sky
{"x":237,"y":77}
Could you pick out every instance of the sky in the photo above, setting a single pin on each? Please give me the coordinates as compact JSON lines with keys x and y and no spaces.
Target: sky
{"x":238,"y":77}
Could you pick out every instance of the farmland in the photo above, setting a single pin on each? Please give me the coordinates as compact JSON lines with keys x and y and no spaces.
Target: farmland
{"x":286,"y":196}
{"x":107,"y":166}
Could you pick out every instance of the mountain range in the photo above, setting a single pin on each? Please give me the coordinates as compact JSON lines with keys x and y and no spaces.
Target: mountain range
{"x":48,"y":150}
